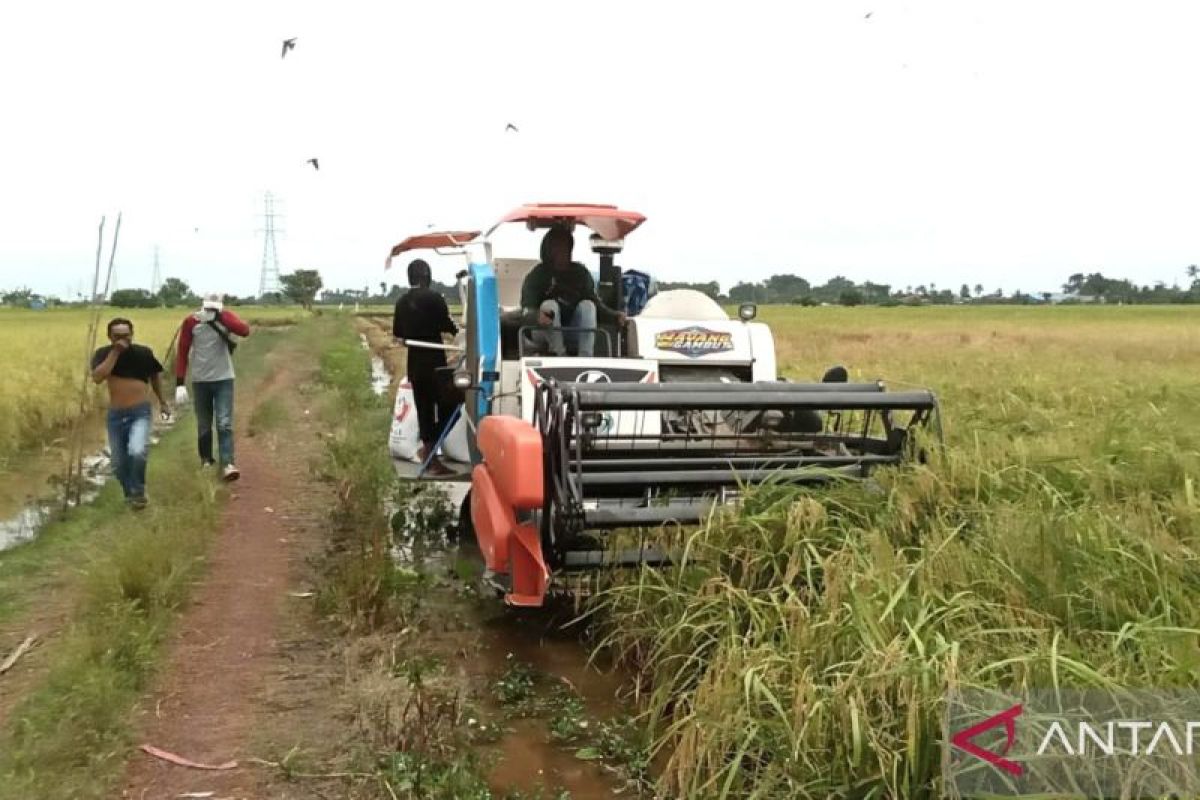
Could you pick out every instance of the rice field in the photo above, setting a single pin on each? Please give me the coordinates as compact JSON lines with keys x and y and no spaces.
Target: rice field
{"x":42,"y":356}
{"x":805,"y":647}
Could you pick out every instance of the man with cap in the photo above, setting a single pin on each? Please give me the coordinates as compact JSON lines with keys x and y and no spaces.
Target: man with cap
{"x":421,"y":315}
{"x":562,"y":293}
{"x":206,"y":345}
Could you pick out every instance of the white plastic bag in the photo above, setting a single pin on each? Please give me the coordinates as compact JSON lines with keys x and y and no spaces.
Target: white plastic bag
{"x":404,"y":440}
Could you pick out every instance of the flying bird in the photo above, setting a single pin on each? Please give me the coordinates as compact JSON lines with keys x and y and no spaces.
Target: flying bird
{"x":288,"y":44}
{"x":868,"y":16}
{"x":313,"y":161}
{"x":511,"y":127}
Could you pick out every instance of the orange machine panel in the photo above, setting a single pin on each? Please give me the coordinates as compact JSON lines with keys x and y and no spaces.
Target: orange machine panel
{"x":512,"y":451}
{"x":493,"y":520}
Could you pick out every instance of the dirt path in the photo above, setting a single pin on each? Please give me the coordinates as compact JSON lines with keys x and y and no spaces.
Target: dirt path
{"x":239,"y":639}
{"x":251,"y":675}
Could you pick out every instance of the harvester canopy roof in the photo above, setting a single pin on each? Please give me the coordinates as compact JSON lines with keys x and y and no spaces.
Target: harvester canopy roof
{"x":434,"y":240}
{"x":609,"y":222}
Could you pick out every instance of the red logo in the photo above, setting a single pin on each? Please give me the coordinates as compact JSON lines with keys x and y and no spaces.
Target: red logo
{"x":1008,"y":719}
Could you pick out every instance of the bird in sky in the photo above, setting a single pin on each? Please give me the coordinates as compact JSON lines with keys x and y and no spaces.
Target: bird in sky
{"x":288,"y":44}
{"x":511,"y":127}
{"x":313,"y":161}
{"x":868,"y":16}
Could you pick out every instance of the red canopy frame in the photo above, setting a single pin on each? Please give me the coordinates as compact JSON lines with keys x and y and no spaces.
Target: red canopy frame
{"x":431,"y":241}
{"x":609,"y":222}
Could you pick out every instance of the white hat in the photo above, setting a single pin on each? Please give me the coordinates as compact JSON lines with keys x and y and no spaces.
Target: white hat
{"x":213,"y":301}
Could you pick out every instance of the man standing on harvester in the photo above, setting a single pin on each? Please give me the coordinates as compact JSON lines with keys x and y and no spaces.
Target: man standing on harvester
{"x":206,"y":344}
{"x":421,"y":315}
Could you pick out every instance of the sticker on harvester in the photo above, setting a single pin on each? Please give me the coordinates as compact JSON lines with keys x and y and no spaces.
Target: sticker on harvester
{"x":694,"y":341}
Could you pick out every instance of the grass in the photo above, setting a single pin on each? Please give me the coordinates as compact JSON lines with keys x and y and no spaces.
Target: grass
{"x":43,"y":360}
{"x":67,"y":738}
{"x":267,"y":417}
{"x":127,"y":575}
{"x":410,"y":711}
{"x":805,"y":647}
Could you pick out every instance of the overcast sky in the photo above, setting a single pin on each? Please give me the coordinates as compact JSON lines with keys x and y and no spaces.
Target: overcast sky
{"x":1004,"y":143}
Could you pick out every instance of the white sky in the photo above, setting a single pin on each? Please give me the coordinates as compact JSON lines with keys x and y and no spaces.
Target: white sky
{"x":1005,"y":143}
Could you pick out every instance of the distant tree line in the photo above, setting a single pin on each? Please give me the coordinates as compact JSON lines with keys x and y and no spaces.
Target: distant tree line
{"x":305,"y":288}
{"x":381,"y":294}
{"x":1079,"y":288}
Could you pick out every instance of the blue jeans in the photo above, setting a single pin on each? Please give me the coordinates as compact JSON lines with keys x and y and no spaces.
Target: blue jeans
{"x":214,"y":399}
{"x":129,"y":443}
{"x":584,"y":316}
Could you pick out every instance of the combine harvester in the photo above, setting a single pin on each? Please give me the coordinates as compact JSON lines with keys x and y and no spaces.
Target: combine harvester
{"x":679,"y":411}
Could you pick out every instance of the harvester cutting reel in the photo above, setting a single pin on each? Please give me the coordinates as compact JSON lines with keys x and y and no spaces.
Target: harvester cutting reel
{"x":627,"y":458}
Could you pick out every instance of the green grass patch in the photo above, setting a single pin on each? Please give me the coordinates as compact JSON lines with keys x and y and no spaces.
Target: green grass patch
{"x":69,"y":738}
{"x":267,"y":417}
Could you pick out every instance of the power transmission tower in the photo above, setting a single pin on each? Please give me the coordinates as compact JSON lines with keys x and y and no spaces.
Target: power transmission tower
{"x":156,"y":277}
{"x":268,"y":282}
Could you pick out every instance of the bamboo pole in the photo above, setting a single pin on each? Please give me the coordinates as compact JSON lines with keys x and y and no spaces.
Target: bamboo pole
{"x":75,"y":444}
{"x":74,"y":482}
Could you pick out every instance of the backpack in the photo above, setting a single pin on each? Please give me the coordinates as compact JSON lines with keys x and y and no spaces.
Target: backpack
{"x":638,"y":288}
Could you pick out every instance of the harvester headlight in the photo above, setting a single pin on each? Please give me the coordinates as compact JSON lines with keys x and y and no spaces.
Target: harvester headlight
{"x":747,"y":312}
{"x":462,"y":380}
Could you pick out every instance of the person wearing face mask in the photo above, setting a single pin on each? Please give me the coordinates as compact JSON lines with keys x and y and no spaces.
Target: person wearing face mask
{"x":129,"y":370}
{"x":206,"y":345}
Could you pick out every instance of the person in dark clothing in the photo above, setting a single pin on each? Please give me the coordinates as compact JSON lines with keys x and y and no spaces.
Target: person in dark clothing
{"x":562,"y":293}
{"x":422,"y":316}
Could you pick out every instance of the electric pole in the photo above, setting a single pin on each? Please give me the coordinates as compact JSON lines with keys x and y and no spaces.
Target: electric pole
{"x":156,"y":277}
{"x":268,"y":282}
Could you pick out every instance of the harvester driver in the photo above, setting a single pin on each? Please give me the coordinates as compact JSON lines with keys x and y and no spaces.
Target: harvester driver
{"x":562,"y":293}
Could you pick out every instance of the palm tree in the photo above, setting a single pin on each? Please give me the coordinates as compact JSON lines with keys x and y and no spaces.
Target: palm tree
{"x":1193,"y":271}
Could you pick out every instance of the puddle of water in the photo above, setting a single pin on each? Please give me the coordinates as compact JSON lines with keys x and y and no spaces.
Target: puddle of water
{"x":525,"y":757}
{"x":381,"y":378}
{"x":25,"y":524}
{"x":528,"y":760}
{"x":32,"y":491}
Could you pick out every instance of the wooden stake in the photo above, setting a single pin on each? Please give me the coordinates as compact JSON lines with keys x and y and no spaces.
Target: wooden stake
{"x":75,"y":448}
